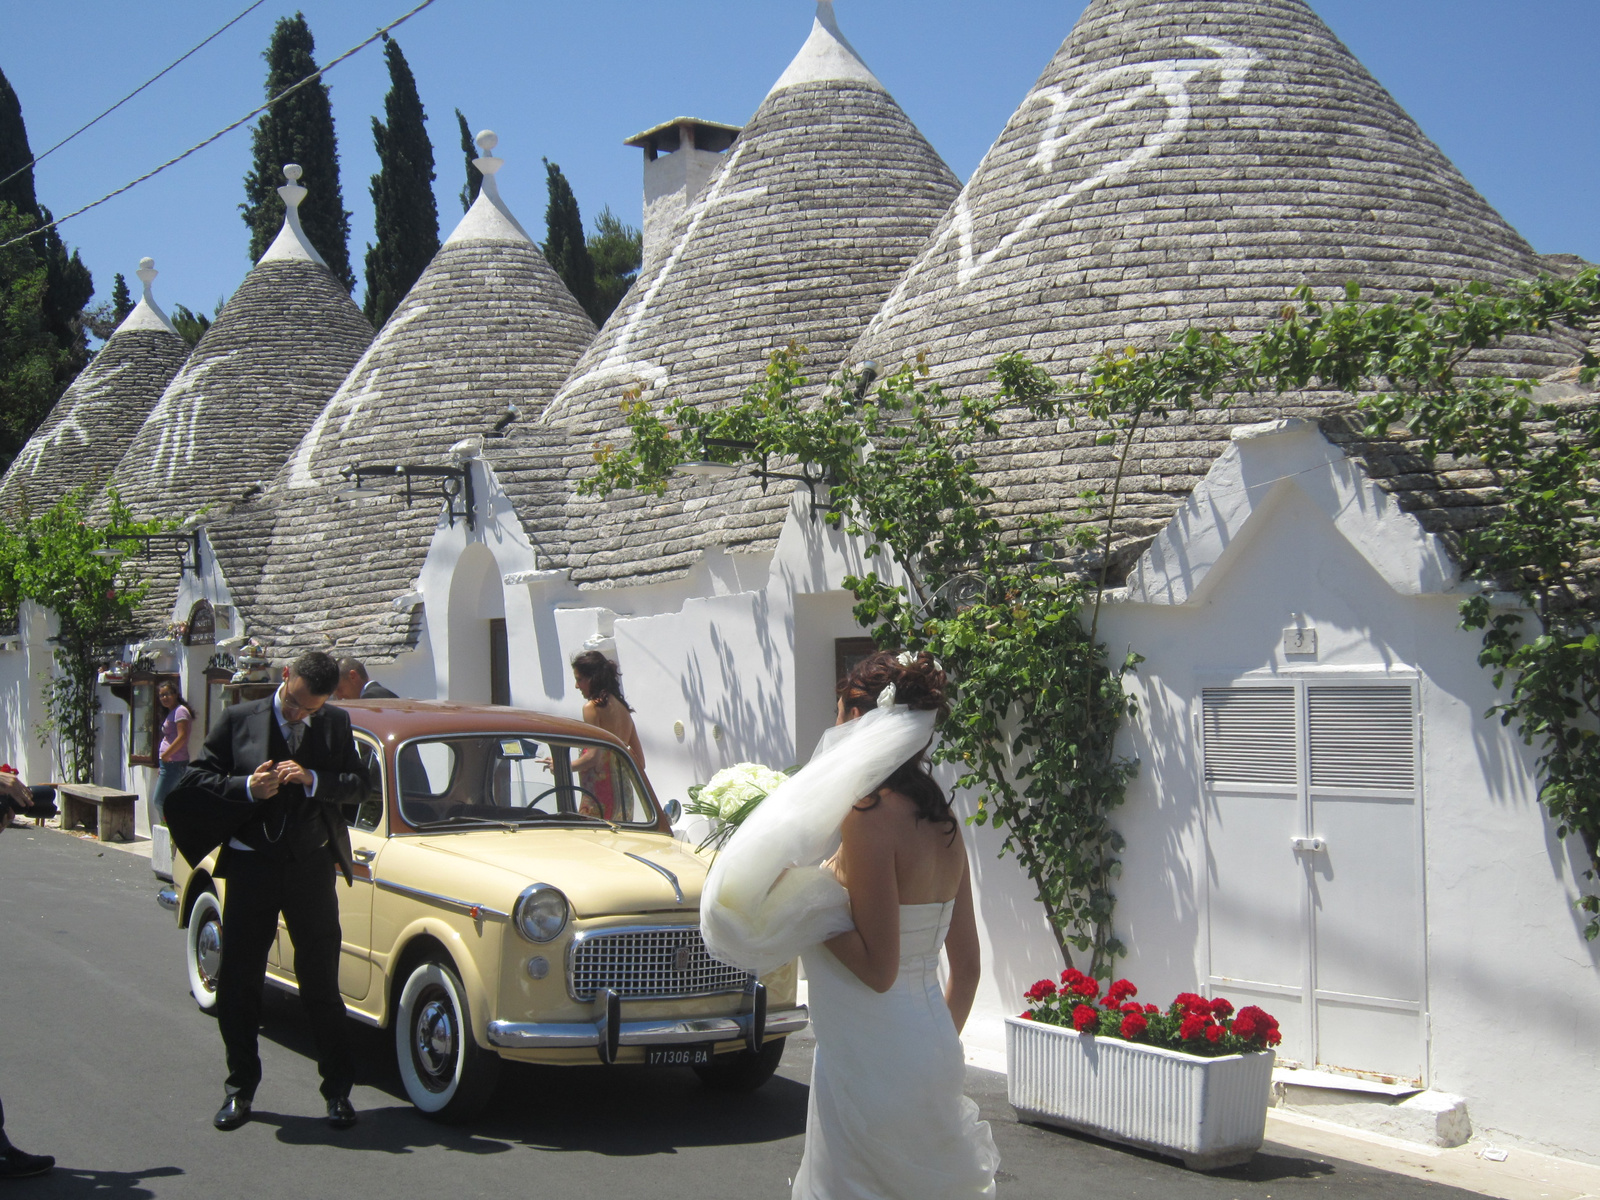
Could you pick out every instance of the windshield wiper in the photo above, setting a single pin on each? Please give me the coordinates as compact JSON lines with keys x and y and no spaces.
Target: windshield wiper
{"x":463,"y":821}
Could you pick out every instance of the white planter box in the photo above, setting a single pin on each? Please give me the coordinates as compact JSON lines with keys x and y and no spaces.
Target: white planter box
{"x":1210,"y":1112}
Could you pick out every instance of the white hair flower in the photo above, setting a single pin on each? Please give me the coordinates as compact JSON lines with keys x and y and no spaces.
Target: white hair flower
{"x":908,"y":658}
{"x":886,"y":697}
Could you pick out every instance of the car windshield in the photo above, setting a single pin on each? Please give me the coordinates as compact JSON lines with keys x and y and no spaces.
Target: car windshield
{"x":512,"y":779}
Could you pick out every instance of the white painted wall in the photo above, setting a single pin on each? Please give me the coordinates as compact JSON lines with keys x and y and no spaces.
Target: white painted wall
{"x":25,"y":673}
{"x":1513,"y":988}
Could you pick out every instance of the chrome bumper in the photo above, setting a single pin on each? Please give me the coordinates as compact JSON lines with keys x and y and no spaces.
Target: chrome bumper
{"x":532,"y":1036}
{"x":168,"y":899}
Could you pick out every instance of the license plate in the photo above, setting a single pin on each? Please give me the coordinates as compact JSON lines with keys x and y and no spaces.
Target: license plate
{"x":677,"y":1056}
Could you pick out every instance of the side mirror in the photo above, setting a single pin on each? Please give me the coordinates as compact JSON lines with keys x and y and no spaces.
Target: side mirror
{"x":674,"y":812}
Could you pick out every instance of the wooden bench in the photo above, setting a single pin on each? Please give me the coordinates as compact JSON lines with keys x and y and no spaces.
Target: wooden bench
{"x":107,"y":810}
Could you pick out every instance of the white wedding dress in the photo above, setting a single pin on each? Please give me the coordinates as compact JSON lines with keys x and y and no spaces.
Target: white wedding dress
{"x":886,"y":1119}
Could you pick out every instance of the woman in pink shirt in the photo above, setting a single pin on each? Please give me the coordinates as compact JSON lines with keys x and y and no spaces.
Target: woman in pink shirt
{"x":174,"y":751}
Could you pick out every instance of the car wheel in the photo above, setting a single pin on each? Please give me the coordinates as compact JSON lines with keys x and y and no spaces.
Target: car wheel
{"x":742,"y":1071}
{"x":204,"y":944}
{"x":448,"y":1076}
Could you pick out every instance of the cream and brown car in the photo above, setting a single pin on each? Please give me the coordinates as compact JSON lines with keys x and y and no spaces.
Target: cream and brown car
{"x":519,"y":895}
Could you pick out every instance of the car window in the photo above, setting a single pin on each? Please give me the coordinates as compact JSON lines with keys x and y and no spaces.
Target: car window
{"x":514,"y":779}
{"x":366,"y":811}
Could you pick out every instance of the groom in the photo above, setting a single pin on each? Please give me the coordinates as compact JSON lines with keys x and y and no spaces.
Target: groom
{"x":293,"y":760}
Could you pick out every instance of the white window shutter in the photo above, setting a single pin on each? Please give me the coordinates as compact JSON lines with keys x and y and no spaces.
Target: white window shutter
{"x":1363,"y":737}
{"x":1250,"y":735}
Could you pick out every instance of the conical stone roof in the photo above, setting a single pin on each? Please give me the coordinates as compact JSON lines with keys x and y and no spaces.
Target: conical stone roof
{"x":489,"y":325}
{"x":256,"y":381}
{"x":1182,"y":162}
{"x":84,"y":436}
{"x":820,"y":205}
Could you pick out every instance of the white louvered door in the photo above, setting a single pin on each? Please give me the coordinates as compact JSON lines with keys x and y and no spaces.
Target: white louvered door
{"x":1315,"y":905}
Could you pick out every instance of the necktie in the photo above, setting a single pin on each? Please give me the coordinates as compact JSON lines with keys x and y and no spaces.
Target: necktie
{"x":296,"y":735}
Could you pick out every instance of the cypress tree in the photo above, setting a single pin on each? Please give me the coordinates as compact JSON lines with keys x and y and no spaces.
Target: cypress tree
{"x":565,"y":247}
{"x":121,"y":301}
{"x":405,"y":217}
{"x":616,"y":249}
{"x":299,"y":130}
{"x":43,"y":290}
{"x":474,"y":176}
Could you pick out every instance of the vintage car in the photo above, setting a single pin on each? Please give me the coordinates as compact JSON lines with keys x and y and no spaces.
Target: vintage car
{"x":519,"y":895}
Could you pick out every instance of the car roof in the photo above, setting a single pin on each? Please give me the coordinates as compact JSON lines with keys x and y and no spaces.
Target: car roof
{"x":403,"y":719}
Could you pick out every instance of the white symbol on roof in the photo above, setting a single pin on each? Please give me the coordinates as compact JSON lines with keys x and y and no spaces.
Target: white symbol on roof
{"x":1072,"y":118}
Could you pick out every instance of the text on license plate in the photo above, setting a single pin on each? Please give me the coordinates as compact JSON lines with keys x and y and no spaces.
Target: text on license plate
{"x":677,"y":1056}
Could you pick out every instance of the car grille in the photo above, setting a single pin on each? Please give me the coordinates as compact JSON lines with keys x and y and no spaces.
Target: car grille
{"x":654,"y":964}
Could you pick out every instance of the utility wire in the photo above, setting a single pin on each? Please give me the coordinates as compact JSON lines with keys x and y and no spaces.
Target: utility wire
{"x":130,"y":95}
{"x":294,"y":87}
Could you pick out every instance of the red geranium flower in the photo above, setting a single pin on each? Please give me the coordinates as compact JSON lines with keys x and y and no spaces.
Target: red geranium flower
{"x":1132,"y":1008}
{"x":1245,"y":1025}
{"x":1194,"y":1025}
{"x":1071,"y":975}
{"x":1121,"y":990}
{"x":1274,"y":1037}
{"x":1214,"y":1033}
{"x":1151,"y":1009}
{"x":1086,"y":987}
{"x":1026,"y":1016}
{"x":1133,"y":1025}
{"x":1220,"y":1008}
{"x":1042,"y":990}
{"x":1084,"y":1018}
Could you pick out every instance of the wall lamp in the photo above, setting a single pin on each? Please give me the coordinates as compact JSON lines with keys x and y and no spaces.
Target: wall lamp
{"x":182,"y":542}
{"x":453,"y":483}
{"x":712,"y":469}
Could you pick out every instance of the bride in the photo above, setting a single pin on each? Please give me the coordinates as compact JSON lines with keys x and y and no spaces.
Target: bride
{"x":886,"y":1118}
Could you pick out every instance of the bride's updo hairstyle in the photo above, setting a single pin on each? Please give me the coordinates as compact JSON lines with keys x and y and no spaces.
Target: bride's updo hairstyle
{"x":921,"y":686}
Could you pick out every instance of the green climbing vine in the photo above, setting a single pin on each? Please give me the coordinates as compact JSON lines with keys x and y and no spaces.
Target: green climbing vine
{"x":49,"y":560}
{"x":1037,"y":701}
{"x":1013,"y":611}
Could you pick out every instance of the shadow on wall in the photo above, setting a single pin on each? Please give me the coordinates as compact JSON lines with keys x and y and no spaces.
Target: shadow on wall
{"x":1161,"y":819}
{"x":1022,"y":948}
{"x":747,"y":701}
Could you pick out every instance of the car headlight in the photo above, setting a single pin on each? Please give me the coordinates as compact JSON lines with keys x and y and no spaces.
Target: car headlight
{"x":541,"y":913}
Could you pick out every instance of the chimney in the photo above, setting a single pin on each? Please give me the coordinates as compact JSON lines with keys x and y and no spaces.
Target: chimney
{"x":679,"y":157}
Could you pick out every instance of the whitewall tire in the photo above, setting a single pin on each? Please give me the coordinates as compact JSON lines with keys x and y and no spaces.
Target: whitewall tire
{"x":204,"y":950}
{"x":447,"y":1075}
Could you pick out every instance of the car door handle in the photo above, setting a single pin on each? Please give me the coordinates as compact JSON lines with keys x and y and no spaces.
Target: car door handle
{"x":1314,"y":844}
{"x":364,"y":856}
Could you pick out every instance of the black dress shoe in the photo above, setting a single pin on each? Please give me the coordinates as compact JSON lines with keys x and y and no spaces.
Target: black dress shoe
{"x":235,"y":1111}
{"x":14,"y":1164}
{"x":341,"y":1115}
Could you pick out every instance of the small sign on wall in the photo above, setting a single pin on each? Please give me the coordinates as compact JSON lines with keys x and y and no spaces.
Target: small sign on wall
{"x":1299,"y":641}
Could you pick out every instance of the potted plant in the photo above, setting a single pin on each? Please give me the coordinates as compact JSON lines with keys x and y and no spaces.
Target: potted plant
{"x":1191,"y":1081}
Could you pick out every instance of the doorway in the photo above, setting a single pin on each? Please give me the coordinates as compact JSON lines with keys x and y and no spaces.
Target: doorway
{"x":1313,"y":831}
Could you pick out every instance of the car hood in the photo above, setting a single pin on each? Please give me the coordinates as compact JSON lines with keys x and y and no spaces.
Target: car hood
{"x":599,"y":870}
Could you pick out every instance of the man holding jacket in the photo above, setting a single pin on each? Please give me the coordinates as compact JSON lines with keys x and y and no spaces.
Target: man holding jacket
{"x":295,"y":761}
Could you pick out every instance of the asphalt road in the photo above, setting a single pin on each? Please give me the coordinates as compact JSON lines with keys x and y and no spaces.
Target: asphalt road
{"x":106,"y":1063}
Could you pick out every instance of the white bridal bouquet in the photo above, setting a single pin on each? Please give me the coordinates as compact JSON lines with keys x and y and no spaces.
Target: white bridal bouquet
{"x":729,"y":797}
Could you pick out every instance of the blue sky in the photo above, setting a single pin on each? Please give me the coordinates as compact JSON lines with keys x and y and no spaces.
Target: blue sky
{"x":1508,"y":88}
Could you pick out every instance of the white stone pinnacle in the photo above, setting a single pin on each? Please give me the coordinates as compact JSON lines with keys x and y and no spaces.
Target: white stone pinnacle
{"x":291,"y":242}
{"x":489,"y":220}
{"x":147,"y":313}
{"x":826,"y":57}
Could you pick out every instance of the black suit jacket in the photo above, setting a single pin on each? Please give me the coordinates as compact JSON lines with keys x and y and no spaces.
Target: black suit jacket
{"x":376,"y":691}
{"x":219,"y":779}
